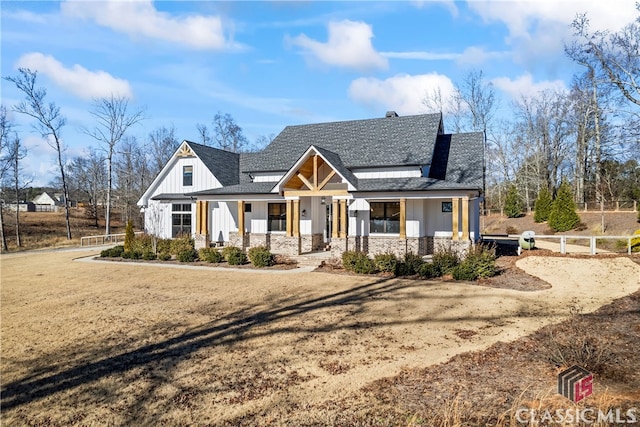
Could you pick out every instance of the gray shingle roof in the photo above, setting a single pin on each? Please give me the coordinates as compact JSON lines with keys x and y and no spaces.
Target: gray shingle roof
{"x":243,"y":188}
{"x":456,"y":160}
{"x":224,"y":165}
{"x":388,"y":141}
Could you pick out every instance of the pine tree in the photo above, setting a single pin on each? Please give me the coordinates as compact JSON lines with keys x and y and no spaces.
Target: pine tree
{"x":563,"y":214}
{"x":129,"y":236}
{"x":543,"y":204}
{"x":513,"y":203}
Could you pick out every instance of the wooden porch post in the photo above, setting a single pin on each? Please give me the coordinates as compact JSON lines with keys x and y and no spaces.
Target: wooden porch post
{"x":334,"y":218}
{"x":465,"y":218}
{"x":289,"y":218}
{"x":403,"y":218}
{"x":241,"y":217}
{"x":296,"y":218}
{"x":202,"y":220}
{"x":343,"y":218}
{"x":454,"y":218}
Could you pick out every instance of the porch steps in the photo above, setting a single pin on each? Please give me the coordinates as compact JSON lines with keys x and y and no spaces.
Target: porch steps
{"x":312,"y":259}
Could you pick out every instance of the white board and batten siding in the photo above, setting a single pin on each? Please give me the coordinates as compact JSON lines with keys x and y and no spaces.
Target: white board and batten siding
{"x":170,"y":181}
{"x":267,"y":177}
{"x":397,"y":172}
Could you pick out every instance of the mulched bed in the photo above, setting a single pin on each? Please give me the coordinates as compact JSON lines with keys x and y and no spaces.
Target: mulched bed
{"x":247,"y":266}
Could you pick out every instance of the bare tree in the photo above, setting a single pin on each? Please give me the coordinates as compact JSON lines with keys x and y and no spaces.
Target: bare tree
{"x":90,"y":175}
{"x":616,"y":54}
{"x":133,"y":176}
{"x":17,"y":152}
{"x":203,"y":131}
{"x":163,"y":144}
{"x":227,"y":134}
{"x":113,"y":121}
{"x":49,"y":122}
{"x":5,"y":162}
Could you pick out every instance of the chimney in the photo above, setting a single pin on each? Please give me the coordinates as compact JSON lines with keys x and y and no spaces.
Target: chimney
{"x":391,"y":114}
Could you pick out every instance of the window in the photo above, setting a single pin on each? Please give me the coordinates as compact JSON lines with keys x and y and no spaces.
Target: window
{"x":247,"y":207}
{"x":187,"y":175}
{"x":385,"y":217}
{"x":447,"y":207}
{"x":180,"y":219}
{"x":277,"y":217}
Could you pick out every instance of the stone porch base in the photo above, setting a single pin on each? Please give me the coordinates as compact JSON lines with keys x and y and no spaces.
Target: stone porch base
{"x":293,"y":246}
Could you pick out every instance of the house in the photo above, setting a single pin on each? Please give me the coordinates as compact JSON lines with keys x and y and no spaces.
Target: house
{"x":46,"y":202}
{"x":391,"y":184}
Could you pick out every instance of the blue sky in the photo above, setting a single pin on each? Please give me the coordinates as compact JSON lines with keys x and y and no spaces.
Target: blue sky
{"x":271,"y":64}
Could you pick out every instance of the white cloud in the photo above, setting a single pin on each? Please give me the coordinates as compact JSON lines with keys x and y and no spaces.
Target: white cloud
{"x":349,"y":45}
{"x":77,"y":79}
{"x":539,"y":29}
{"x":141,"y":18}
{"x":521,"y":16}
{"x":449,"y":4}
{"x":402,"y":93}
{"x":475,"y":55}
{"x":524,"y":86}
{"x":470,"y":56}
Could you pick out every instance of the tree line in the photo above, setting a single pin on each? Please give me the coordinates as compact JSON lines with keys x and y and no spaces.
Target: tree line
{"x":114,"y":172}
{"x":587,"y":136}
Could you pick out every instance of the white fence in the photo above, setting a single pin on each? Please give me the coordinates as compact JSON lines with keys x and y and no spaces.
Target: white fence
{"x":593,"y":241}
{"x":104,"y":239}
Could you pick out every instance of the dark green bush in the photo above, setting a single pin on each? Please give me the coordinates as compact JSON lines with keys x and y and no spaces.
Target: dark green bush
{"x":543,"y":205}
{"x":386,"y":263}
{"x":349,"y":259}
{"x":364,"y":265}
{"x":260,"y":256}
{"x":114,"y":252}
{"x":464,"y":271}
{"x":479,"y":263}
{"x":181,"y":244}
{"x":563,"y":216}
{"x":228,"y":250}
{"x":210,"y":255}
{"x":142,"y":243}
{"x":187,"y":255}
{"x":358,"y":262}
{"x":163,"y":246}
{"x":429,"y":270}
{"x":129,"y":236}
{"x":235,"y":256}
{"x":136,"y":255}
{"x":445,"y":260}
{"x":164,"y":256}
{"x":126,"y":255}
{"x":149,"y":255}
{"x":412,"y":263}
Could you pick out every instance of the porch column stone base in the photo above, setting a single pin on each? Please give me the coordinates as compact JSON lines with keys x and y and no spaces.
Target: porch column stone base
{"x":311,"y":242}
{"x":201,"y":241}
{"x":461,"y":247}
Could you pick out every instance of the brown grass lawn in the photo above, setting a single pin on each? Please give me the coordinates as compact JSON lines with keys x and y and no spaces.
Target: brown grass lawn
{"x":48,"y":229}
{"x":102,"y":343}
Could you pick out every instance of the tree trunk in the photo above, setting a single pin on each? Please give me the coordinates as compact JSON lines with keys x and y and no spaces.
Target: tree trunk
{"x":3,"y":248}
{"x":598,"y":147}
{"x":16,"y":188}
{"x":107,"y":215}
